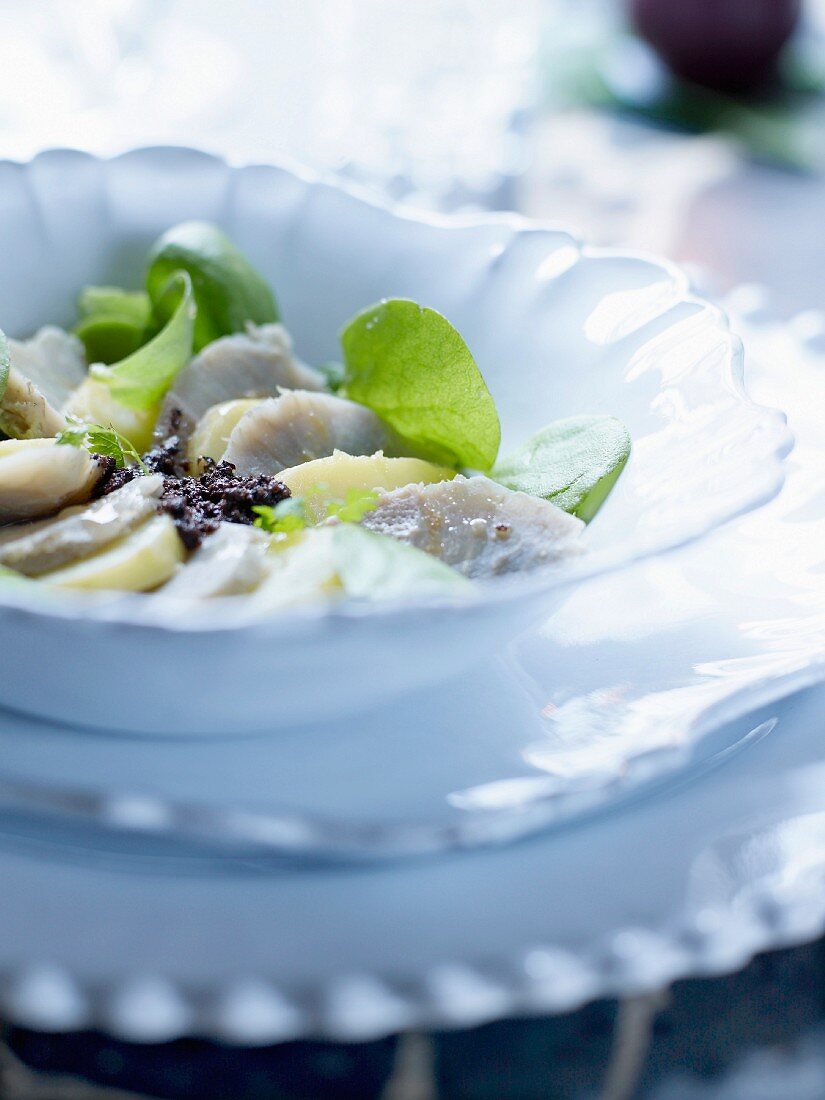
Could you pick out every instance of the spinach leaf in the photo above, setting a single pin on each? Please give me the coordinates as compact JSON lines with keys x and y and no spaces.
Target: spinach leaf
{"x":409,"y":365}
{"x":113,"y":322}
{"x":140,"y":380}
{"x":573,"y":463}
{"x":377,"y":567}
{"x":228,"y":290}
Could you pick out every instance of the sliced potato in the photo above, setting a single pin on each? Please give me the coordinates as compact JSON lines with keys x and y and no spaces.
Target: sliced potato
{"x":210,"y":437}
{"x":329,"y":479}
{"x":138,"y":563}
{"x":39,"y":477}
{"x":92,"y":401}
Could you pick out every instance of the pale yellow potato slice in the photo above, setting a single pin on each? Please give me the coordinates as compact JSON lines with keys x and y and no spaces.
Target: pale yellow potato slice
{"x":38,"y":477}
{"x":210,"y":437}
{"x":325,"y":480}
{"x":93,"y":403}
{"x":138,"y":563}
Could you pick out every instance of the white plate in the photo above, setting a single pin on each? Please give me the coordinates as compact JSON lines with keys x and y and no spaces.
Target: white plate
{"x":693,"y":881}
{"x":625,"y":687}
{"x":557,"y":329}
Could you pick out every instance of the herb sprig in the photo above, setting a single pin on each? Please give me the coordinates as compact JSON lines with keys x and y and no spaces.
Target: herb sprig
{"x":100,"y":441}
{"x":292,"y":515}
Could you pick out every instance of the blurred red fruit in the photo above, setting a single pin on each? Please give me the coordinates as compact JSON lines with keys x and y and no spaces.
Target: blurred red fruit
{"x":727,"y":45}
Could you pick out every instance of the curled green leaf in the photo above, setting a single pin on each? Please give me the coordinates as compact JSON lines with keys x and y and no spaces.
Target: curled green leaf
{"x":573,"y":463}
{"x":228,"y":290}
{"x":100,"y":441}
{"x":114,"y":301}
{"x":140,"y":380}
{"x":113,"y":322}
{"x":410,"y":366}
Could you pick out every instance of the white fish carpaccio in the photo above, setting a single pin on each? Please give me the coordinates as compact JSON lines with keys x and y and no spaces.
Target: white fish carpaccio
{"x":44,"y":372}
{"x":77,"y":532}
{"x":257,"y":363}
{"x":477,"y":526}
{"x":298,"y":427}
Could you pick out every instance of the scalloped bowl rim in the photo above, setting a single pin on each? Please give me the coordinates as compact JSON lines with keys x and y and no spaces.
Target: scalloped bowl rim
{"x":142,"y":610}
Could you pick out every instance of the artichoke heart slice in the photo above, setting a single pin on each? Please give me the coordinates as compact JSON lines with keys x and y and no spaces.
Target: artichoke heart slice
{"x":78,"y":532}
{"x":38,"y":477}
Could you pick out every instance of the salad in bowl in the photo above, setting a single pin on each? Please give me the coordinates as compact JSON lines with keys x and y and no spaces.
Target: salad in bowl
{"x":222,"y":511}
{"x":174,"y":444}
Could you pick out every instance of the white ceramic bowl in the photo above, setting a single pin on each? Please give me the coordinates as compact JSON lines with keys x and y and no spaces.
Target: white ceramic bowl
{"x":556,"y":328}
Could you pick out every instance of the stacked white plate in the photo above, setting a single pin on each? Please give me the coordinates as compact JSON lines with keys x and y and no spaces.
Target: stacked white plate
{"x":612,"y":745}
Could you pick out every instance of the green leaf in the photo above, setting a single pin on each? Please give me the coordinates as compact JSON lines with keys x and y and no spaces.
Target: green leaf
{"x":140,"y":381}
{"x":108,"y":339}
{"x":334,"y":374}
{"x":291,"y":515}
{"x":114,"y":301}
{"x":113,"y":322}
{"x":100,"y":441}
{"x":573,"y":463}
{"x":354,"y":506}
{"x":409,"y":365}
{"x":5,"y":363}
{"x":284,"y":518}
{"x":228,"y":290}
{"x":374,"y":567}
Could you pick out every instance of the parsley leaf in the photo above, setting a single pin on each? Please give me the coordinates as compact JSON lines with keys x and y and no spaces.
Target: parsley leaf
{"x":284,"y":518}
{"x":354,"y":506}
{"x":100,"y":441}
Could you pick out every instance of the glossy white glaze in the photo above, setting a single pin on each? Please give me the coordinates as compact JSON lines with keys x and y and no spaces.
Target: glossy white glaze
{"x":557,"y":329}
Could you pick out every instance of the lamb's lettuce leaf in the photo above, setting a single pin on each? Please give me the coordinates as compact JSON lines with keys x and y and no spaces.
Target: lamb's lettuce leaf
{"x":573,"y":463}
{"x":228,"y":290}
{"x":140,"y":380}
{"x":409,"y":365}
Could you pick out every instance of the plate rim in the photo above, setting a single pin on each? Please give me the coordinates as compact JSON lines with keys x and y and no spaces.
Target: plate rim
{"x":129,"y":610}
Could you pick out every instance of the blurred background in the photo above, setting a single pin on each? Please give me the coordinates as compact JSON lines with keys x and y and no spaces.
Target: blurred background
{"x":691,"y":128}
{"x":688,"y":127}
